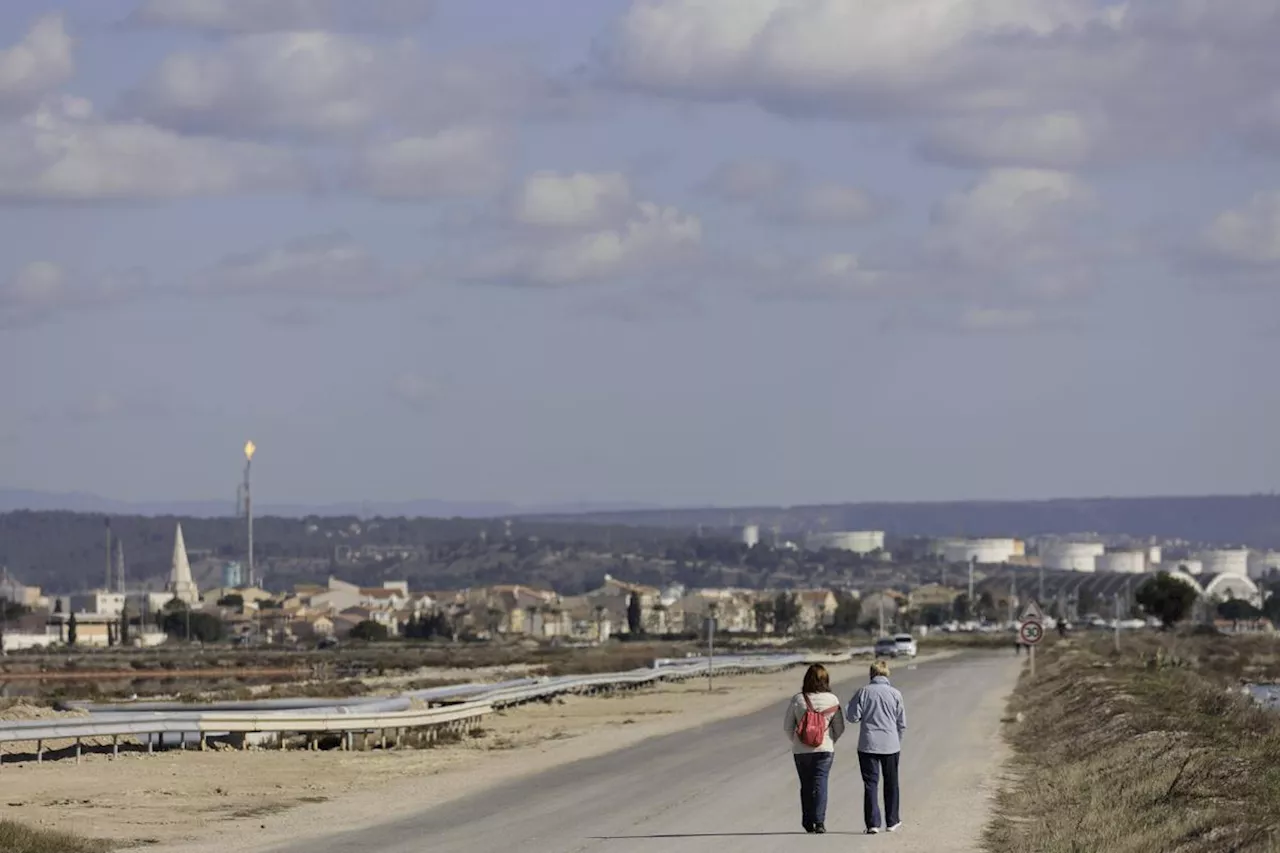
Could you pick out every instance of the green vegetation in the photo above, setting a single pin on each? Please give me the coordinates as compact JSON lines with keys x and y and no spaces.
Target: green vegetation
{"x":16,"y":838}
{"x":369,"y":631}
{"x":1167,"y":599}
{"x":1149,"y":750}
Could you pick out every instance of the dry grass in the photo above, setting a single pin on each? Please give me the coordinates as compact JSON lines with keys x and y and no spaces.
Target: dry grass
{"x":16,"y":838}
{"x":1152,"y":750}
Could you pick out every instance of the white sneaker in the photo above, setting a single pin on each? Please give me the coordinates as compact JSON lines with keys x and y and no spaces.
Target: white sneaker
{"x":896,"y":827}
{"x":875,"y":830}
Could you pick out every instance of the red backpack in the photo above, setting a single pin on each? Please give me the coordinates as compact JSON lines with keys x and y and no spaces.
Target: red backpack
{"x":812,"y":728}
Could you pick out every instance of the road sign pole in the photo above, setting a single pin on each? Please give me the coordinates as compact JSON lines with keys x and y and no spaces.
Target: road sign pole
{"x":1033,"y":661}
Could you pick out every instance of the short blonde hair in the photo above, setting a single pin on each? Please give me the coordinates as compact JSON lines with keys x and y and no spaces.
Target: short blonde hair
{"x":880,"y":667}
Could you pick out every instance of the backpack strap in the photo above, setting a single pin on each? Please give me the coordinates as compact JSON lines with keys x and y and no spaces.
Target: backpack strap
{"x":828,"y":712}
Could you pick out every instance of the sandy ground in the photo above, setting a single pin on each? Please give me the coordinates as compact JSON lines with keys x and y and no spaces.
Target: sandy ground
{"x":254,"y":800}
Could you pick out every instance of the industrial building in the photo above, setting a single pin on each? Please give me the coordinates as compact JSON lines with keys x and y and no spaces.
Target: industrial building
{"x":751,"y":535}
{"x":857,"y":541}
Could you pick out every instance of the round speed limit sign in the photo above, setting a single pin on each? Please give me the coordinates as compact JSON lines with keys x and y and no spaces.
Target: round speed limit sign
{"x":1030,"y":632}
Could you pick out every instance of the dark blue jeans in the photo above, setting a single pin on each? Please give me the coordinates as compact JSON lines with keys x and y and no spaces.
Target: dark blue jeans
{"x":873,"y":765}
{"x":813,"y":769}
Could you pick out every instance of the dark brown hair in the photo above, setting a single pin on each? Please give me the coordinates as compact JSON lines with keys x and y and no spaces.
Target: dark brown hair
{"x":816,"y":679}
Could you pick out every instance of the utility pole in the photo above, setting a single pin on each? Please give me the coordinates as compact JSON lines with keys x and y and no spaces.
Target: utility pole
{"x":711,"y":644}
{"x":971,"y":562}
{"x":1041,"y":600}
{"x":881,"y":600}
{"x":106,"y":583}
{"x":1117,"y":632}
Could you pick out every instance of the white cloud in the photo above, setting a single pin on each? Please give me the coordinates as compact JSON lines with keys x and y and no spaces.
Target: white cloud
{"x":775,"y":192}
{"x":458,"y":161}
{"x":1009,"y":218}
{"x":575,"y":200}
{"x":38,"y":64}
{"x":42,"y":291}
{"x":246,"y":16}
{"x":329,"y":265}
{"x":63,"y":152}
{"x":1247,"y":236}
{"x":653,"y":239}
{"x":1025,"y":66}
{"x":825,"y":276}
{"x":1048,"y":140}
{"x":318,"y":82}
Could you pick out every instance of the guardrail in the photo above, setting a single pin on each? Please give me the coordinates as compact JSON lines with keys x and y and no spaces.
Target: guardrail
{"x":449,"y":710}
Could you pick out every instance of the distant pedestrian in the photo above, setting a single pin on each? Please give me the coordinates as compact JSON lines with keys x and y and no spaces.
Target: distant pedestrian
{"x":814,"y":723}
{"x":883,"y":716}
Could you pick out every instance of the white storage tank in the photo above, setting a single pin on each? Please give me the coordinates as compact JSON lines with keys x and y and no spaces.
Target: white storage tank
{"x":979,"y":550}
{"x":751,"y":535}
{"x":1190,"y":566}
{"x":1225,"y":561}
{"x":1125,"y":562}
{"x":857,"y":541}
{"x":1071,"y":556}
{"x":1261,"y":563}
{"x":1155,"y":555}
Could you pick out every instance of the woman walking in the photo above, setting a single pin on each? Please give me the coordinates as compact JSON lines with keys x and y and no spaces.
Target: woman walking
{"x":880,"y":710}
{"x":814,"y":724}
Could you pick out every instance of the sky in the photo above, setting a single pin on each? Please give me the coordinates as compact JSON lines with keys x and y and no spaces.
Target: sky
{"x":667,"y":251}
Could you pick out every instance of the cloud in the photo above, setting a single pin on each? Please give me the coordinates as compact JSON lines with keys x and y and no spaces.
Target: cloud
{"x":997,"y":319}
{"x":1058,"y":140}
{"x":327,"y":83}
{"x":825,"y":204}
{"x":415,"y":391}
{"x":775,"y":193}
{"x":38,"y":64}
{"x":834,"y":275}
{"x":248,"y":16}
{"x":457,"y":161}
{"x":41,"y":292}
{"x":324,"y":266}
{"x":576,"y":200}
{"x":748,"y":180}
{"x":652,"y":239}
{"x":64,"y":152}
{"x":1009,"y":218}
{"x":1060,"y":81}
{"x":1247,"y":236}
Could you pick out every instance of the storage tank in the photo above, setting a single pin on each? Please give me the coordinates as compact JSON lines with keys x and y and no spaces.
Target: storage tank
{"x":1261,"y":563}
{"x":1225,"y":561}
{"x":1124,"y":562}
{"x":857,"y":541}
{"x":1155,"y":555}
{"x":1191,"y":567}
{"x":1071,"y":556}
{"x":751,"y":535}
{"x":979,"y":550}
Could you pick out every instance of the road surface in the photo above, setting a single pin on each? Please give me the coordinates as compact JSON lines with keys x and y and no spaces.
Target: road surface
{"x":732,"y":785}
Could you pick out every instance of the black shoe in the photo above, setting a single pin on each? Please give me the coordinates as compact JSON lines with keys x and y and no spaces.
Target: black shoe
{"x":820,"y":828}
{"x":808,"y":827}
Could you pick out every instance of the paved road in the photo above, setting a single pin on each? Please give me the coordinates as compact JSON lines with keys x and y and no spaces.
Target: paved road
{"x":732,"y":785}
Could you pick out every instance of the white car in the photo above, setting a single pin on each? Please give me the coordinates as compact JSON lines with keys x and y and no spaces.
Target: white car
{"x":905,"y":645}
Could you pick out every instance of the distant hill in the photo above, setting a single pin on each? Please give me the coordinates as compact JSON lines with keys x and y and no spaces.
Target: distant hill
{"x":1252,"y":520}
{"x":14,"y":500}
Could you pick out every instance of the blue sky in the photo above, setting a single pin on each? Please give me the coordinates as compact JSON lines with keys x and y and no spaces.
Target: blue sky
{"x":673,"y":251}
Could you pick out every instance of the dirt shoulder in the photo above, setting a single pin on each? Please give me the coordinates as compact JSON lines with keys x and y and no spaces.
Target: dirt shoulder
{"x":1147,"y":750}
{"x":215,"y":801}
